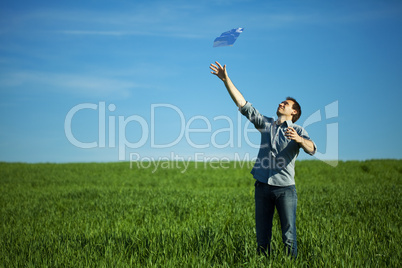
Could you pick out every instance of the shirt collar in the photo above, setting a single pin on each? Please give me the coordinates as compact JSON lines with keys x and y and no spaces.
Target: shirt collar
{"x":288,"y":123}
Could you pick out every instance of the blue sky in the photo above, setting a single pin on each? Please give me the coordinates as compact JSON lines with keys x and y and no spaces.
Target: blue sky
{"x":142,"y":66}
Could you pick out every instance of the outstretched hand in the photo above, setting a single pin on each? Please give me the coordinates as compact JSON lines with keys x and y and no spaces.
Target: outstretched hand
{"x":234,"y":93}
{"x":219,"y":71}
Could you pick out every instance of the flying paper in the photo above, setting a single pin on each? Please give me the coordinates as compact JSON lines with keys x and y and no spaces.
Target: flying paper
{"x":228,"y":38}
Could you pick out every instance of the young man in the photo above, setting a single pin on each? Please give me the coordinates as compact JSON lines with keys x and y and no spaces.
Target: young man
{"x":274,"y":169}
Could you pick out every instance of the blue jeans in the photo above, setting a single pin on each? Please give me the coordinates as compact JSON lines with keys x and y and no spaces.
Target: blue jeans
{"x":284,"y":198}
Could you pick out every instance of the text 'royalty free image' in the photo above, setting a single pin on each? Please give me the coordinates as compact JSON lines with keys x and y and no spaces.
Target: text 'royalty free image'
{"x":199,"y":160}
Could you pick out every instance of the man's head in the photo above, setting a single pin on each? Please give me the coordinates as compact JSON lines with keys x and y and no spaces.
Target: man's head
{"x":289,"y":108}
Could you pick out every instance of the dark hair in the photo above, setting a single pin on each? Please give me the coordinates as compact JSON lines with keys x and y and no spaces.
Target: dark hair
{"x":296,"y":106}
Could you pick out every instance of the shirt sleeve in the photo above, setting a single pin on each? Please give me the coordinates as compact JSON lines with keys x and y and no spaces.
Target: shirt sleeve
{"x":303,"y":133}
{"x":253,"y":115}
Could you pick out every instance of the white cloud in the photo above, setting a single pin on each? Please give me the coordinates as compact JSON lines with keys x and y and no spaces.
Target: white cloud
{"x":181,"y":19}
{"x":155,"y":19}
{"x":69,"y":83}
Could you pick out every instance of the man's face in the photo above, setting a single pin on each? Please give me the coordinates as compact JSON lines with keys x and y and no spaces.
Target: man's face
{"x":285,"y":108}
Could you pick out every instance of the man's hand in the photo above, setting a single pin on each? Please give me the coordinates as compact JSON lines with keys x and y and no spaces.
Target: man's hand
{"x":234,"y":93}
{"x":219,"y":71}
{"x":307,"y":145}
{"x":292,"y":135}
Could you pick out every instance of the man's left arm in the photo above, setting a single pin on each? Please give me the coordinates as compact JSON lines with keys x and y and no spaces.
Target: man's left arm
{"x":307,"y":145}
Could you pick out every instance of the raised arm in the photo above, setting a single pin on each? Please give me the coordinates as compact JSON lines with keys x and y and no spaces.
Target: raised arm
{"x":234,"y":93}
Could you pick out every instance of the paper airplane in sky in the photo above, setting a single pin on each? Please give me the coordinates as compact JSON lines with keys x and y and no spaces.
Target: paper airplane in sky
{"x":228,"y":38}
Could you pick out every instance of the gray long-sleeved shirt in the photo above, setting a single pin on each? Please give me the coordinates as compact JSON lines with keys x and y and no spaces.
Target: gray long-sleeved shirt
{"x":276,"y":159}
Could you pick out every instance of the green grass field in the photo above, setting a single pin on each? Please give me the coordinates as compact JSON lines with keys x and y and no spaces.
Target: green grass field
{"x":111,"y":215}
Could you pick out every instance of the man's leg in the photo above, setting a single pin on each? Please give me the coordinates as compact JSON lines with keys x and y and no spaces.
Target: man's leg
{"x":286,"y":204}
{"x":264,"y":211}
